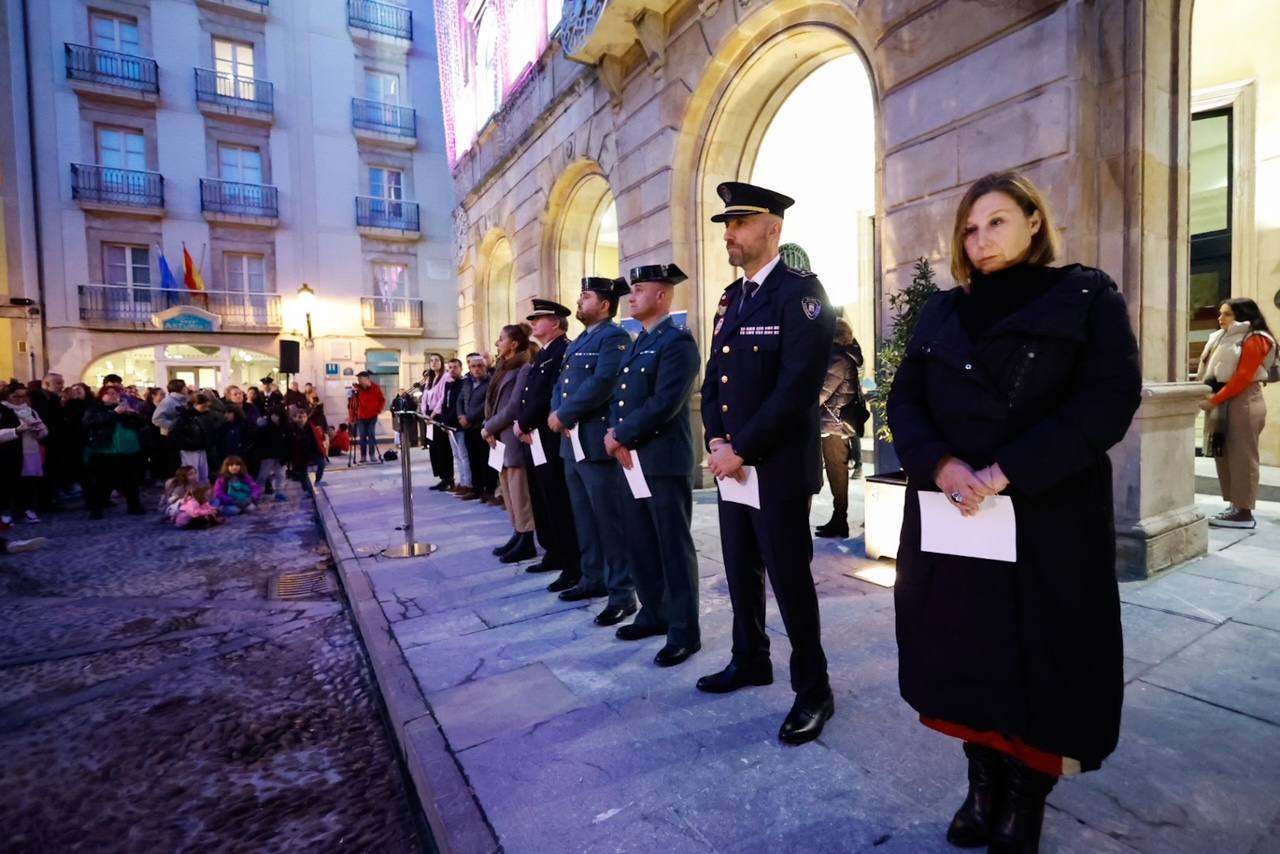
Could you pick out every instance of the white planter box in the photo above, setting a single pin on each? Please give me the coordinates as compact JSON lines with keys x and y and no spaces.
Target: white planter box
{"x":884,"y":499}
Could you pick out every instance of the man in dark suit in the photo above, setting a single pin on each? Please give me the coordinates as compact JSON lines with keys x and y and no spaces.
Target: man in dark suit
{"x":552,"y":513}
{"x":768,"y":358}
{"x":581,"y":402}
{"x":651,"y":432}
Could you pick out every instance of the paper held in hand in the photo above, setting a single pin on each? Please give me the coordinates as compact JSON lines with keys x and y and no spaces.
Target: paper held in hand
{"x":635,"y":477}
{"x":578,"y":454}
{"x":539,"y":455}
{"x":747,"y":492}
{"x":496,"y":454}
{"x":990,"y":534}
{"x":431,"y":432}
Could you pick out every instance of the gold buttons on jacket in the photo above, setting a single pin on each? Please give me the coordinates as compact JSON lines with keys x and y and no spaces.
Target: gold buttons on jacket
{"x":724,"y":379}
{"x":724,"y":349}
{"x":724,"y":407}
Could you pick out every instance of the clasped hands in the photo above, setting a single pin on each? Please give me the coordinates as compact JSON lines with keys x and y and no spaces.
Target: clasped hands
{"x":617,"y":450}
{"x":955,"y":477}
{"x":724,"y":462}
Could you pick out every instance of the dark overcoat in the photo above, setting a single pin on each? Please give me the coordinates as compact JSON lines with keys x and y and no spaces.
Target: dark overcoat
{"x":1030,"y":649}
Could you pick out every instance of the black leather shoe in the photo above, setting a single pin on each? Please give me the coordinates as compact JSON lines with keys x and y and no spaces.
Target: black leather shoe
{"x":632,"y":632}
{"x":544,"y":565}
{"x":577,"y":593}
{"x":971,"y":827}
{"x":1017,"y":831}
{"x":506,"y":547}
{"x":524,"y":549}
{"x":566,"y":581}
{"x":835,"y":533}
{"x":614,"y":614}
{"x":671,"y":655}
{"x":734,"y":677}
{"x":806,"y":719}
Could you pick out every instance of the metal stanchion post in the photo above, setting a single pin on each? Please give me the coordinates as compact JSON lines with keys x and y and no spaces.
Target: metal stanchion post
{"x":410,"y":547}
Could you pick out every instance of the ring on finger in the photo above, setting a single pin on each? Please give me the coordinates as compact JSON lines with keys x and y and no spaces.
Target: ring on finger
{"x":956,"y":497}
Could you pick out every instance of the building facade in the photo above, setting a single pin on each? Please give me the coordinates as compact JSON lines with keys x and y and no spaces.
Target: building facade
{"x":278,"y":144}
{"x":875,"y":115}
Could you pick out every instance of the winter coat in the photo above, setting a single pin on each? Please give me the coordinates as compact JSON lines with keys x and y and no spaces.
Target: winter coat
{"x":194,"y":431}
{"x":223,"y":489}
{"x":502,"y":405}
{"x":449,"y":406}
{"x":1030,"y":649}
{"x":370,"y":402}
{"x":840,"y":388}
{"x":189,"y":510}
{"x":471,"y":400}
{"x":168,"y":411}
{"x":102,"y":423}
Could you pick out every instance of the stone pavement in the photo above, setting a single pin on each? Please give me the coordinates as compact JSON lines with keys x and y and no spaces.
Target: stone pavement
{"x":153,"y":698}
{"x":527,"y":727}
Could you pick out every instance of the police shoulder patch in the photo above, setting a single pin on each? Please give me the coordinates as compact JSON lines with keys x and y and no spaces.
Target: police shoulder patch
{"x":811,"y":306}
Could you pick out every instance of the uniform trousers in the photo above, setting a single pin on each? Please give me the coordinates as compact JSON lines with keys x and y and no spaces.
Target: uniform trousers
{"x":596,"y":491}
{"x":552,"y":513}
{"x":515,"y":491}
{"x":1239,"y":465}
{"x":664,"y":562}
{"x":777,"y":541}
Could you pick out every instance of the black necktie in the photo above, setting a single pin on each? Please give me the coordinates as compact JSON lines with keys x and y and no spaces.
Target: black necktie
{"x":751,"y":287}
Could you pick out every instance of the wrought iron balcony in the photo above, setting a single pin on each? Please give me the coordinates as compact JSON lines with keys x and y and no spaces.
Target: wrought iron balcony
{"x":108,"y":68}
{"x":132,"y":307}
{"x":385,"y":19}
{"x":390,"y":214}
{"x":239,"y":200}
{"x":104,"y":186}
{"x":253,"y":9}
{"x":384,"y":118}
{"x":239,"y":94}
{"x":391,"y":314}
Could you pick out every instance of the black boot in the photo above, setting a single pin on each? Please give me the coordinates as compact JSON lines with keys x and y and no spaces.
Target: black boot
{"x":971,"y":827}
{"x":506,"y":547}
{"x":524,"y":549}
{"x":1018,"y":829}
{"x":836,"y":527}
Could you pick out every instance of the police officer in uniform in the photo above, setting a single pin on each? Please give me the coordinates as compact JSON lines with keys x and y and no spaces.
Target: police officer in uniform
{"x":552,"y":514}
{"x":581,"y":401}
{"x":651,"y":429}
{"x":769,"y":348}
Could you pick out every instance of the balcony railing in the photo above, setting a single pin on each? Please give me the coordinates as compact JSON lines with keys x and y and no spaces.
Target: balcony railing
{"x":385,"y":19}
{"x":391,"y":313}
{"x":109,"y":68}
{"x":231,"y":197}
{"x":133,"y":307}
{"x":384,"y":118}
{"x":228,"y":90}
{"x":374,"y":212}
{"x":110,"y":186}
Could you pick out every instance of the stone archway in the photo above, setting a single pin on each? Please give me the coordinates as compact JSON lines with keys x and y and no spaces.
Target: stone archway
{"x":581,"y":232}
{"x":497,"y":291}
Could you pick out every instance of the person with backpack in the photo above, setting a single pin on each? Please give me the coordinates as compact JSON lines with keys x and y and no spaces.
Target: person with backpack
{"x":1238,"y":359}
{"x":843,"y":412}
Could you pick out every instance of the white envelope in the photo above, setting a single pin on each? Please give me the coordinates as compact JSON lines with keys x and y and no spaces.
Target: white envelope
{"x":495,"y":456}
{"x":991,"y":533}
{"x":539,"y":455}
{"x":431,"y":432}
{"x":635,"y":477}
{"x":578,"y":454}
{"x":747,"y":493}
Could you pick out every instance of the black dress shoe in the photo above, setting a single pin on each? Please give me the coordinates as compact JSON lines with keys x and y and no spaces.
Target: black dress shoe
{"x":506,"y":547}
{"x":577,"y":593}
{"x":973,"y":822}
{"x":671,"y":655}
{"x":544,"y":565}
{"x":524,"y":549}
{"x":1017,"y":831}
{"x":632,"y":632}
{"x":614,"y":614}
{"x":735,"y":676}
{"x":836,"y":533}
{"x":567,"y":581}
{"x":805,"y":720}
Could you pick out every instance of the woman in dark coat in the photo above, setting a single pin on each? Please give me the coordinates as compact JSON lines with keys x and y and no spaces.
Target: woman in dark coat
{"x":1015,"y":383}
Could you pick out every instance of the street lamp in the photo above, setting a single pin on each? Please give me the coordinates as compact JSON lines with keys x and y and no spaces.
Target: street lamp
{"x":307,"y":298}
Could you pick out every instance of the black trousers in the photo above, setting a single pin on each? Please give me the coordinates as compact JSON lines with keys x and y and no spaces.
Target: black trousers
{"x":552,"y":513}
{"x":483,"y":479}
{"x":441,"y":455}
{"x":776,"y":541}
{"x":108,"y":472}
{"x":835,"y":459}
{"x":664,"y":562}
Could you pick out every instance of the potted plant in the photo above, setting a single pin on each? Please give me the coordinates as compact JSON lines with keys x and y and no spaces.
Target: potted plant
{"x":886,"y":491}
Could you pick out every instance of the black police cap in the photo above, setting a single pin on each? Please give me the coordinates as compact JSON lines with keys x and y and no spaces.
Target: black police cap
{"x":669,"y":273}
{"x":746,"y":199}
{"x":606,"y":287}
{"x":547,"y":308}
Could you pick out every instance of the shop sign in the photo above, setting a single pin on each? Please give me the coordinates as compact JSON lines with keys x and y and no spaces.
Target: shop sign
{"x":187,"y":318}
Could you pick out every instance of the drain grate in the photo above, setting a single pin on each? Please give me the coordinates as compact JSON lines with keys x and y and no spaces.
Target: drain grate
{"x":301,"y":583}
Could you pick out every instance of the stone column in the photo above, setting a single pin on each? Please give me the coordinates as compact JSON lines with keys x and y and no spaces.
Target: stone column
{"x":1157,"y":521}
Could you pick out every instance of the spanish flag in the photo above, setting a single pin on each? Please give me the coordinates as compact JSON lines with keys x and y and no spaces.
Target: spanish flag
{"x":191,"y":276}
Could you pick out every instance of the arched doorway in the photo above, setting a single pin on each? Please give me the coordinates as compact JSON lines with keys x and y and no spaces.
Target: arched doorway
{"x":202,"y":365}
{"x":584,"y":239}
{"x":499,"y":292}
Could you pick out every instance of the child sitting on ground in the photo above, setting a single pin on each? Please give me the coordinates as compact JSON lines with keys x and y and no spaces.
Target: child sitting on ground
{"x":177,"y":488}
{"x":235,"y":490}
{"x":195,"y":511}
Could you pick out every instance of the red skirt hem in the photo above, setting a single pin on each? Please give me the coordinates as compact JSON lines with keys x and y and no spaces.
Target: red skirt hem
{"x":1034,"y":758}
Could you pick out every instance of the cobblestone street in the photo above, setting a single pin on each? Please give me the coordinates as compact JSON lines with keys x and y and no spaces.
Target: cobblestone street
{"x":153,"y":698}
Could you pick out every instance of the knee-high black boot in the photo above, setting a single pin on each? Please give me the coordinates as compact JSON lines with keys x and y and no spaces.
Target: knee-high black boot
{"x":1018,"y":829}
{"x":973,"y":822}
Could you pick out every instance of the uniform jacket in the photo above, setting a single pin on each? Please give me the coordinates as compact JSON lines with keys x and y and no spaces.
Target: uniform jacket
{"x":503,"y":404}
{"x":650,"y":410}
{"x":1030,"y":649}
{"x":535,"y":397}
{"x":591,"y":365}
{"x":768,"y":360}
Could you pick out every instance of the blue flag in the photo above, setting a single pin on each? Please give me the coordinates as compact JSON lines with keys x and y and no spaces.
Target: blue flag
{"x":167,"y":281}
